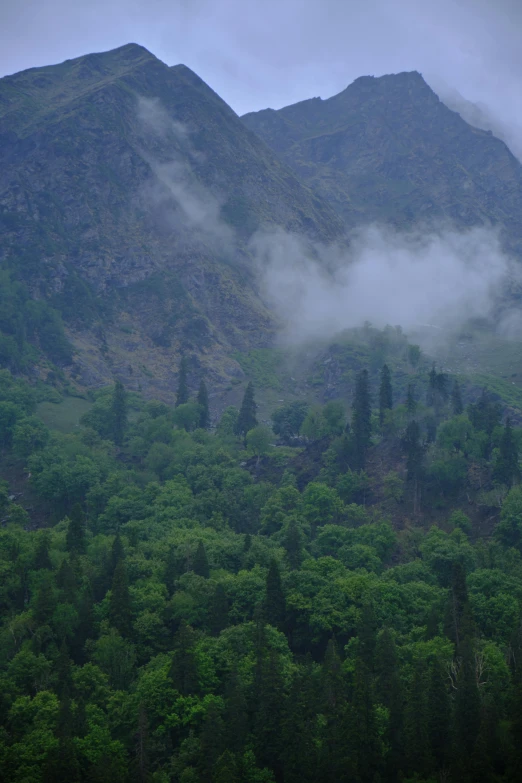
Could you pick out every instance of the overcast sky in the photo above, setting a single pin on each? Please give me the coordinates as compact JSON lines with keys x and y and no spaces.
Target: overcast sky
{"x":260,"y":53}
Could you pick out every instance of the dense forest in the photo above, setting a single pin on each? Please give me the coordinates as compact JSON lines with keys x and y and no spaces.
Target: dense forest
{"x":336,"y":597}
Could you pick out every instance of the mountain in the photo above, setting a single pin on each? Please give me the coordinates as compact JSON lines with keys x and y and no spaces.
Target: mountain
{"x":387,"y":149}
{"x":128,"y":193}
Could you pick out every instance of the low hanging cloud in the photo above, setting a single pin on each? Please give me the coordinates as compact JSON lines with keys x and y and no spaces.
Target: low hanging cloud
{"x":178,"y":199}
{"x":434,"y":277}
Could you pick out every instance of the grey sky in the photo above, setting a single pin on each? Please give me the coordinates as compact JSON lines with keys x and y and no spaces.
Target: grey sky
{"x":259,"y":53}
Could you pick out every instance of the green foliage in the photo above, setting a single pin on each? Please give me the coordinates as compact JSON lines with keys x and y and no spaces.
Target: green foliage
{"x":288,"y":419}
{"x":247,"y":419}
{"x":191,"y":612}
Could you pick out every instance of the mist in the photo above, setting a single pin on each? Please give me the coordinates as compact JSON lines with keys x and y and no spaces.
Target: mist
{"x":433,"y":277}
{"x":178,"y":200}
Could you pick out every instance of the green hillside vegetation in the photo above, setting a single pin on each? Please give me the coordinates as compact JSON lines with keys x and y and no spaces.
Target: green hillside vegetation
{"x":338,"y":598}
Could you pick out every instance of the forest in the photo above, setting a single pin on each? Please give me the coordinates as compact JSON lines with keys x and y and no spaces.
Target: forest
{"x":334,"y":597}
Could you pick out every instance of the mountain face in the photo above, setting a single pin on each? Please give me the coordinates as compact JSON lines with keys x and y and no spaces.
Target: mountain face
{"x":388,"y":149}
{"x":128,"y":193}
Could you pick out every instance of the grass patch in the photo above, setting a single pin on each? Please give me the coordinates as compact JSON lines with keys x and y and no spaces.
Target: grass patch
{"x":64,"y":416}
{"x":263,"y":366}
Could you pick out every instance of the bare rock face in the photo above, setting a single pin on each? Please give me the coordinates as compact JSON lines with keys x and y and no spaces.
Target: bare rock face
{"x":128,"y":194}
{"x":387,"y":149}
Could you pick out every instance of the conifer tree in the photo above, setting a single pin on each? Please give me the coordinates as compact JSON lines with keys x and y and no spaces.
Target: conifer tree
{"x":172,"y":571}
{"x":247,"y":419}
{"x":45,"y":600}
{"x":117,"y":552}
{"x":467,"y":706}
{"x":202,"y":400}
{"x":456,"y":399}
{"x":67,"y":578}
{"x":414,"y":451}
{"x":218,"y":610}
{"x":182,"y":395}
{"x":212,"y":741}
{"x":385,"y":393}
{"x":142,"y":745}
{"x":200,"y":565}
{"x":292,"y":543}
{"x":361,"y":418}
{"x":183,"y":669}
{"x":389,"y":692}
{"x":411,"y":402}
{"x":439,"y":711}
{"x":75,"y":537}
{"x":120,"y":604}
{"x":119,"y":413}
{"x":268,"y":714}
{"x":416,"y":723}
{"x":300,"y":758}
{"x":236,"y":712}
{"x":41,"y":555}
{"x":275,"y":603}
{"x":506,"y":469}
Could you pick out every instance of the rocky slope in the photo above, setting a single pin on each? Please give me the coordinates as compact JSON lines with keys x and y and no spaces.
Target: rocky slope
{"x":128,"y":193}
{"x":388,"y":149}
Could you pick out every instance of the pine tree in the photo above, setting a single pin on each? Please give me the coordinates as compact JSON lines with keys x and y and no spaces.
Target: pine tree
{"x":432,"y":386}
{"x":119,"y":413}
{"x":171,"y":573}
{"x":467,"y":706}
{"x":459,"y":620}
{"x":439,"y":711}
{"x":202,"y":400}
{"x":389,"y":692}
{"x":45,"y":600}
{"x":236,"y":713}
{"x":68,"y":578}
{"x":275,"y":603}
{"x":117,"y":552}
{"x":120,"y":604}
{"x":361,"y":419}
{"x":142,"y":745}
{"x":411,"y":402}
{"x":414,"y":451}
{"x":75,"y":537}
{"x":218,"y":610}
{"x":506,"y":469}
{"x":385,"y":393}
{"x":212,"y":741}
{"x":247,"y":419}
{"x":416,"y":723}
{"x":182,"y":395}
{"x":41,"y":555}
{"x":200,"y":564}
{"x":293,"y":545}
{"x":226,"y":769}
{"x":268,"y":713}
{"x":456,"y":399}
{"x":300,"y":758}
{"x":183,"y":669}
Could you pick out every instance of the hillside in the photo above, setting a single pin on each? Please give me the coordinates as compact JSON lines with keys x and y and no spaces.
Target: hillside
{"x":387,"y":149}
{"x":127,"y":192}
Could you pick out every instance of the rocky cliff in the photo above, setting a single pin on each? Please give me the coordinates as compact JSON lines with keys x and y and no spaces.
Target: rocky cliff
{"x":128,"y":193}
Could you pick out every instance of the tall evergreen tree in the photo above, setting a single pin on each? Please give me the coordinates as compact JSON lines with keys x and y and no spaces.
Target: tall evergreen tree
{"x":506,"y":469}
{"x":361,"y":418}
{"x":456,"y":399}
{"x":416,"y":723}
{"x":118,"y":416}
{"x":389,"y":692}
{"x":459,"y":620}
{"x":182,"y":395}
{"x":41,"y":555}
{"x":183,"y":669}
{"x":236,"y":712}
{"x":142,"y":745}
{"x":247,"y":419}
{"x":414,"y":451}
{"x":75,"y":537}
{"x":467,"y":707}
{"x":385,"y":393}
{"x":275,"y":602}
{"x":202,"y":400}
{"x":120,"y":603}
{"x":117,"y":552}
{"x":218,"y":610}
{"x":411,"y":401}
{"x":200,"y":565}
{"x":293,"y":545}
{"x":300,"y":758}
{"x":172,"y":570}
{"x":439,"y":711}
